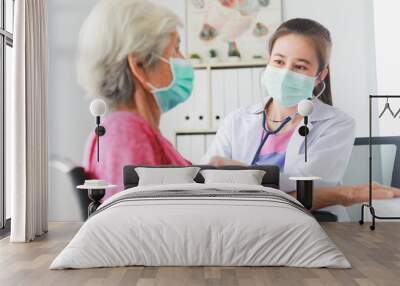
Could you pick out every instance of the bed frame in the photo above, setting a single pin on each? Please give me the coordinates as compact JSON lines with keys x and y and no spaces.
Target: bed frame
{"x":270,"y":179}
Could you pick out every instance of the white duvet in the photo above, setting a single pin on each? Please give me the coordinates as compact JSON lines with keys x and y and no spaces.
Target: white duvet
{"x":183,"y":231}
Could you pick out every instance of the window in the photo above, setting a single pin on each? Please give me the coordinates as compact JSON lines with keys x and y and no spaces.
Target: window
{"x":6,"y":45}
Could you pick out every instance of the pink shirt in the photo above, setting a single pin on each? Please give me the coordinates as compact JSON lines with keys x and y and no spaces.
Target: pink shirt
{"x":129,"y":140}
{"x":274,"y":150}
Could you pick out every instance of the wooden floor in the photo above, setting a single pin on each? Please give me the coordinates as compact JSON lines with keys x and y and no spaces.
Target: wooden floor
{"x":375,"y":257}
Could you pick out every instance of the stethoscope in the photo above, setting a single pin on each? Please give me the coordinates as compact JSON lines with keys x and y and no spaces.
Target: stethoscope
{"x":267,"y":132}
{"x":303,"y":130}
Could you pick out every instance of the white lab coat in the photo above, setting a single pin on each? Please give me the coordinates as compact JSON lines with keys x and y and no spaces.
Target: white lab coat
{"x":329,"y":143}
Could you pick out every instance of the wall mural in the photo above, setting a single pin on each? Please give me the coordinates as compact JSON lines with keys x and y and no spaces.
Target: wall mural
{"x":230,"y":30}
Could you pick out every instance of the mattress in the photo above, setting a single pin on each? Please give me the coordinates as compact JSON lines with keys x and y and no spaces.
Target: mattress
{"x":201,"y":225}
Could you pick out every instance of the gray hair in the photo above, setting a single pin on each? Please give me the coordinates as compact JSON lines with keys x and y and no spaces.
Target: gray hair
{"x":113,"y":30}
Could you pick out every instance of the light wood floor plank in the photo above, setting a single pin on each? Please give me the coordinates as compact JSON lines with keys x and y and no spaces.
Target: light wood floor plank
{"x":375,"y":257}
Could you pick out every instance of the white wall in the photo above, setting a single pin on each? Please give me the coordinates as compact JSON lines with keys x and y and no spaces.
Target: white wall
{"x":69,"y":119}
{"x":387,"y":23}
{"x":353,"y":56}
{"x":353,"y":75}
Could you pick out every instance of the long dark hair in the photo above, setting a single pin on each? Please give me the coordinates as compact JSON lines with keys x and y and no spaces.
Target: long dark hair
{"x":323,"y":43}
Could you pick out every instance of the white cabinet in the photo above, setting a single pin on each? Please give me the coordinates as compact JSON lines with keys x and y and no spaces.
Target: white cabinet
{"x":198,"y":145}
{"x":257,"y":91}
{"x":201,"y":110}
{"x":217,"y":97}
{"x":209,"y":140}
{"x":195,"y":112}
{"x":184,"y":146}
{"x":193,"y":146}
{"x":244,"y":87}
{"x":232,"y":88}
{"x":230,"y":84}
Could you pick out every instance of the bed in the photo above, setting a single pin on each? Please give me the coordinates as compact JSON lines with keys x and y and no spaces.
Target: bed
{"x":198,"y":224}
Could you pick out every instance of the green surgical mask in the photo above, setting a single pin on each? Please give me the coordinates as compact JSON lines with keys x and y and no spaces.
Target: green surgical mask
{"x":288,"y":88}
{"x":180,"y":87}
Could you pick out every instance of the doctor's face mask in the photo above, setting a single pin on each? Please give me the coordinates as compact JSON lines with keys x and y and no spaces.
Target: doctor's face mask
{"x":180,"y":87}
{"x":288,"y":88}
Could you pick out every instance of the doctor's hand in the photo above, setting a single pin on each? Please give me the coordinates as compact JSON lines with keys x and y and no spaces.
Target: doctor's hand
{"x":218,"y":161}
{"x":360,"y":193}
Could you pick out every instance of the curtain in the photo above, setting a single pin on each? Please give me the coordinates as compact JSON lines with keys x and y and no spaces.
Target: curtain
{"x":26,"y":121}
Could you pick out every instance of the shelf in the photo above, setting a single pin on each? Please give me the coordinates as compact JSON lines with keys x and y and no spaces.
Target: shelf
{"x":249,"y":63}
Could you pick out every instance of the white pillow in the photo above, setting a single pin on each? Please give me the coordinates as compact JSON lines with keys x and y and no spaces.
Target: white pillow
{"x":248,"y":177}
{"x":166,"y":176}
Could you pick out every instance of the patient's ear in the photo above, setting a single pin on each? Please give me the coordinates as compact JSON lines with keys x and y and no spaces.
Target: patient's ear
{"x":138,"y":70}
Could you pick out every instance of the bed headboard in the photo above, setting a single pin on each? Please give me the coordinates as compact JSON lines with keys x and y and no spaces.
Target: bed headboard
{"x":270,"y":179}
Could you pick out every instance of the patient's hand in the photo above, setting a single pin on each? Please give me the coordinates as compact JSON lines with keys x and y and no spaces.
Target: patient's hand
{"x":360,"y":193}
{"x":218,"y":161}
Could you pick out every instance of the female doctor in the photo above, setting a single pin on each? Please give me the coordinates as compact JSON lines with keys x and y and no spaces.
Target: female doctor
{"x":268,"y":133}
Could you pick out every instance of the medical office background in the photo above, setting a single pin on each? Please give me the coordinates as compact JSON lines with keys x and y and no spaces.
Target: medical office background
{"x":365,"y":61}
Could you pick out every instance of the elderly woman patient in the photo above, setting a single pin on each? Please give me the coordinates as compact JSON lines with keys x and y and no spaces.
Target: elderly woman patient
{"x":129,"y":55}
